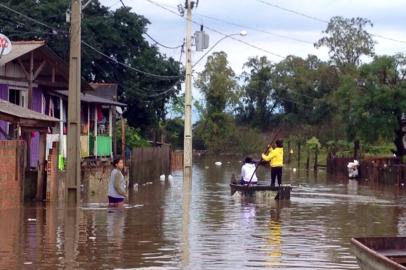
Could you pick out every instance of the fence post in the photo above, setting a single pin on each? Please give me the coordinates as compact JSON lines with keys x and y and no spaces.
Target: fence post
{"x":308,"y":159}
{"x":316,"y":153}
{"x":298,"y":154}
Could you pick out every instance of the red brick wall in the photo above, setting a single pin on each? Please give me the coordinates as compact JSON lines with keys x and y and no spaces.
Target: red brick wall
{"x":12,"y":155}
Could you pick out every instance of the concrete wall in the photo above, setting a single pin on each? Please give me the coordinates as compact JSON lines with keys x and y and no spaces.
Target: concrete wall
{"x":95,"y":178}
{"x":11,"y":173}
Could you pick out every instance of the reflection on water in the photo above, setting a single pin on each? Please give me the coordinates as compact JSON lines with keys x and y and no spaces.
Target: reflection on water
{"x":198,"y":225}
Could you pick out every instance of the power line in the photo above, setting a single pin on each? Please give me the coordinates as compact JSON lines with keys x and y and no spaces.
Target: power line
{"x":162,"y":45}
{"x":254,"y":29}
{"x":123,"y":3}
{"x":154,"y":40}
{"x":28,"y":18}
{"x":293,"y":11}
{"x":166,"y":77}
{"x":163,"y":77}
{"x":321,"y":20}
{"x":161,"y":94}
{"x":216,"y":31}
{"x":118,"y":1}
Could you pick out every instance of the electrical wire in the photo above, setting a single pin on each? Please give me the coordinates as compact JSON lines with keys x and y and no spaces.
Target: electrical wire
{"x":154,"y":40}
{"x":28,"y":18}
{"x":155,"y":95}
{"x":321,"y":20}
{"x":118,"y":1}
{"x":215,"y":31}
{"x":162,"y":45}
{"x":254,"y":29}
{"x":163,"y":77}
{"x":123,"y":3}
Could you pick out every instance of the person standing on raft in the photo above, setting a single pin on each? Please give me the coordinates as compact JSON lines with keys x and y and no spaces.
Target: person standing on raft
{"x":275,"y":159}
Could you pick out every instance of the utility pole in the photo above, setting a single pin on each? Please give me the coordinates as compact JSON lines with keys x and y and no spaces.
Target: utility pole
{"x":187,"y":147}
{"x":73,"y":142}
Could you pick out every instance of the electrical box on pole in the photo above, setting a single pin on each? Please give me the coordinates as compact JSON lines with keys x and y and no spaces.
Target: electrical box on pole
{"x":201,"y":41}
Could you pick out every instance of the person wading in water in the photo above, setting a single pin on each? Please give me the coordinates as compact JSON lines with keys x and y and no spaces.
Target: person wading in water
{"x":117,"y":184}
{"x":275,"y":159}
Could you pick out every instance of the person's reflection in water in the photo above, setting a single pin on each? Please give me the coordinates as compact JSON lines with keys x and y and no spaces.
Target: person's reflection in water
{"x":275,"y":236}
{"x":352,"y":187}
{"x":115,"y":227}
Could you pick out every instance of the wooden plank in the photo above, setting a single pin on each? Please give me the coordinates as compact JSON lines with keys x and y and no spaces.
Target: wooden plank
{"x":39,"y":69}
{"x":41,"y":167}
{"x":52,"y":84}
{"x":30,"y":80}
{"x":16,"y":79}
{"x":27,"y":75}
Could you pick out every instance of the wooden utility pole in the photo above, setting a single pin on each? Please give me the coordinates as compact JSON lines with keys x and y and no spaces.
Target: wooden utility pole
{"x":73,"y":140}
{"x":187,"y":143}
{"x":123,"y":138}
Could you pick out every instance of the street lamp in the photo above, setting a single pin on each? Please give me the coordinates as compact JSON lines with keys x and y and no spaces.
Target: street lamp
{"x":243,"y":33}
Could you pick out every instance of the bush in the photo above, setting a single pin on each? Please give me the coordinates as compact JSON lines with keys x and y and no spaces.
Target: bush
{"x":132,"y":136}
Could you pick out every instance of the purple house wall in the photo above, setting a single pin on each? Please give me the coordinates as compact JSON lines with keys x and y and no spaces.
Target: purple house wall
{"x":34,"y":147}
{"x":3,"y":95}
{"x":36,"y":106}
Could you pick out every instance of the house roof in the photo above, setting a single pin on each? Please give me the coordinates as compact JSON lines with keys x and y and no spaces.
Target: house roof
{"x":25,"y":117}
{"x":105,"y":90}
{"x":20,"y":48}
{"x":93,"y":99}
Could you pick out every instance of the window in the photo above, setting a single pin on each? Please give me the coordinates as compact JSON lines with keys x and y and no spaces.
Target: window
{"x":18,"y":97}
{"x":14,"y":96}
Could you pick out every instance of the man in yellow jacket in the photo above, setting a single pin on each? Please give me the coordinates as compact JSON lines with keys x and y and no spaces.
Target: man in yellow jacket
{"x":275,"y":158}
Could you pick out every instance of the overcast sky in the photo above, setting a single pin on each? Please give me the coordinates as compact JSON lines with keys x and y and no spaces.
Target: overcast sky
{"x":388,"y":17}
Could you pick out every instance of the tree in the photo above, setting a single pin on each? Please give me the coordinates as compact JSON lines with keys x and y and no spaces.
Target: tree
{"x":217,"y":83}
{"x":302,"y":87}
{"x":380,"y":101}
{"x":118,"y":34}
{"x":347,"y":40}
{"x":256,"y":97}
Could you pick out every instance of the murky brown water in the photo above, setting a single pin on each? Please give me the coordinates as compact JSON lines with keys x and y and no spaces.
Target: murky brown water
{"x":206,"y":228}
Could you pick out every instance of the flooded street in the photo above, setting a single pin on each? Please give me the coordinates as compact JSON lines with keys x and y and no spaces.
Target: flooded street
{"x":170,"y":226}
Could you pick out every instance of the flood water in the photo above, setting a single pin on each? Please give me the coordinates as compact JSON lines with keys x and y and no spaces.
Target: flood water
{"x":168,"y":225}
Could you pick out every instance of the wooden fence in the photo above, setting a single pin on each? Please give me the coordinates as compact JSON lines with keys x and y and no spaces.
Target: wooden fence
{"x":383,"y":170}
{"x":177,"y":160}
{"x":147,"y":164}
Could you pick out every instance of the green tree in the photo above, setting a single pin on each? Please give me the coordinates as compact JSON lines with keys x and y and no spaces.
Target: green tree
{"x":347,"y":40}
{"x":118,"y":34}
{"x":380,"y":101}
{"x":302,"y":87}
{"x":256,"y":97}
{"x":217,"y":83}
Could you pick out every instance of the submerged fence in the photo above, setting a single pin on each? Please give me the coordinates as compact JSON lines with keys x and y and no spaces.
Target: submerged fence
{"x":149,"y":163}
{"x":383,"y":170}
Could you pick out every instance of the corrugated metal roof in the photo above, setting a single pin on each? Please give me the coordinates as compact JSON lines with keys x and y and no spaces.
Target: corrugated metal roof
{"x":93,"y":99}
{"x":23,"y":113}
{"x":105,"y":90}
{"x":19,"y":48}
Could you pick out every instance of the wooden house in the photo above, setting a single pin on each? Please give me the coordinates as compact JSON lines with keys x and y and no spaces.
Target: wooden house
{"x":34,"y":77}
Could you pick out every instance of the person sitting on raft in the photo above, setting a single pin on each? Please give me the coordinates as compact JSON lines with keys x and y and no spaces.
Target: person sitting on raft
{"x":248,"y":172}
